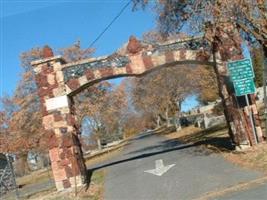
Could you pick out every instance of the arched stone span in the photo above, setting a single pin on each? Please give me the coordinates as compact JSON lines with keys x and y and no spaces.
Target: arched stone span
{"x":81,"y":74}
{"x":58,"y":81}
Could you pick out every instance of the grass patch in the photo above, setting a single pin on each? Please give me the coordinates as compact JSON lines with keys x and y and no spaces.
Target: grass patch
{"x":103,"y":157}
{"x":44,"y":175}
{"x":35,"y":177}
{"x":215,"y":138}
{"x":94,"y":192}
{"x":252,"y":158}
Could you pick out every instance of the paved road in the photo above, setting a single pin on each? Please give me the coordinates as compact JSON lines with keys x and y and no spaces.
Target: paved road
{"x":196,"y":171}
{"x":258,"y":192}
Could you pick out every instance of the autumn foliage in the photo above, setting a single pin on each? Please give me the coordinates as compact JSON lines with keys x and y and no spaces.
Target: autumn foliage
{"x":21,"y":128}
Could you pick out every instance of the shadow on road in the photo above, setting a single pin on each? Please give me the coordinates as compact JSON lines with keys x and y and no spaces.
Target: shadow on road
{"x":141,"y":156}
{"x":88,"y":179}
{"x":142,"y":136}
{"x":195,"y":149}
{"x":91,"y":170}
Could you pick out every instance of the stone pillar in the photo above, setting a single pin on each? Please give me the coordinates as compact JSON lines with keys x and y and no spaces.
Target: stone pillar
{"x":234,"y":117}
{"x":228,"y":45}
{"x":59,"y":123}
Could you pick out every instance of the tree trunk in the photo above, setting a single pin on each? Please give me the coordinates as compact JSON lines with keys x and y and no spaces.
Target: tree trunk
{"x":177,"y":123}
{"x":177,"y":117}
{"x":158,"y":121}
{"x":22,"y":166}
{"x":167,"y":117}
{"x":99,"y":146}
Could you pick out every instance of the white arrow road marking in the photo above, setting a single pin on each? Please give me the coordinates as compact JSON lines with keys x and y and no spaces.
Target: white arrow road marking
{"x":160,"y":169}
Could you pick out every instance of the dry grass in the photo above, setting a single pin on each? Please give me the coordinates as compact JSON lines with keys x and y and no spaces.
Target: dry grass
{"x":187,"y":131}
{"x":105,"y":156}
{"x":215,"y":138}
{"x":253,"y":158}
{"x":94,"y":192}
{"x":35,"y":177}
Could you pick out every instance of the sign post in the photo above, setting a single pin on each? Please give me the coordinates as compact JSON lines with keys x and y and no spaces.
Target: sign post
{"x":242,"y":75}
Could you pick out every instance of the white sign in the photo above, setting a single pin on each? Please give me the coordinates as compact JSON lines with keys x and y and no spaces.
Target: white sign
{"x":57,"y":102}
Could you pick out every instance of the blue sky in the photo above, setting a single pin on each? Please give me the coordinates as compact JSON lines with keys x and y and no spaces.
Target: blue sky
{"x":27,"y":24}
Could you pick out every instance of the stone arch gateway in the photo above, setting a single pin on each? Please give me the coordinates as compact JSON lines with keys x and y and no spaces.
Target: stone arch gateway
{"x":58,"y":81}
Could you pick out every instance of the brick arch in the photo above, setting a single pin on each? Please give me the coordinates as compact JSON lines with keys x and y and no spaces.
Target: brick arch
{"x":58,"y":81}
{"x":87,"y":72}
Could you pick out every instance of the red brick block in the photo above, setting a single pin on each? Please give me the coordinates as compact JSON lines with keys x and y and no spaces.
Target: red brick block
{"x":43,"y":106}
{"x":47,"y":52}
{"x":106,"y":72}
{"x":47,"y":90}
{"x":182,"y":54}
{"x":54,"y":154}
{"x":46,"y":69}
{"x":68,"y":152}
{"x":66,"y":141}
{"x":70,"y":119}
{"x":75,"y":167}
{"x":41,"y":80}
{"x":73,"y":84}
{"x":147,"y":62}
{"x":43,"y":110}
{"x":59,"y":174}
{"x":53,"y":142}
{"x":89,"y":75}
{"x":64,"y":162}
{"x":57,"y":116}
{"x":134,"y":45}
{"x":44,"y":91}
{"x":129,"y":69}
{"x":66,"y":183}
{"x":169,"y":57}
{"x":69,"y":172}
{"x":62,"y":155}
{"x":257,"y":120}
{"x":202,"y":56}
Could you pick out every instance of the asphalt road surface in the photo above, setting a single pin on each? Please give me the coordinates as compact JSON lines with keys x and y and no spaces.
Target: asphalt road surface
{"x":258,"y":192}
{"x":196,"y":171}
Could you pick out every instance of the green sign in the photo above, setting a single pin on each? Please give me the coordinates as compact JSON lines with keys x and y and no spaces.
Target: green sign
{"x":244,"y":87}
{"x":241,"y":69}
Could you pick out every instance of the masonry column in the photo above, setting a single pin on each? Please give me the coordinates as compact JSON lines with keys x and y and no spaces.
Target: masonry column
{"x":59,"y":123}
{"x":227,"y":44}
{"x":240,"y":133}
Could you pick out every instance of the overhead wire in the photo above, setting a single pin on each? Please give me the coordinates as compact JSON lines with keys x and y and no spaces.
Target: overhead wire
{"x":110,"y":24}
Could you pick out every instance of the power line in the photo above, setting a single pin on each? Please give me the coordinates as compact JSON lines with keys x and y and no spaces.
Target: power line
{"x":110,"y":24}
